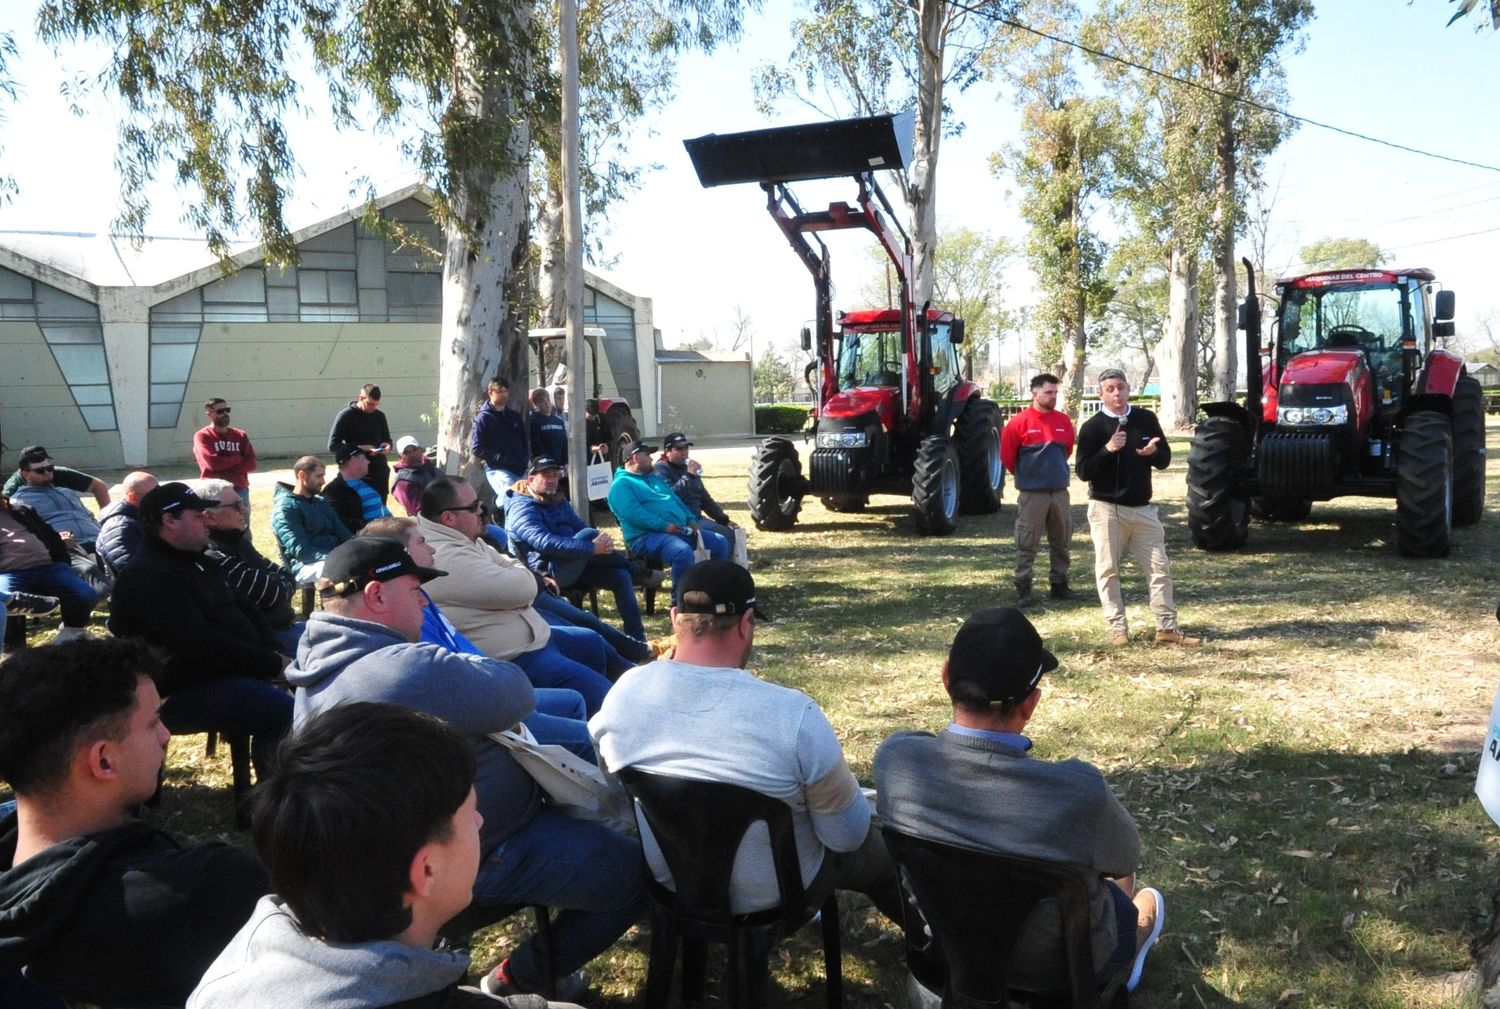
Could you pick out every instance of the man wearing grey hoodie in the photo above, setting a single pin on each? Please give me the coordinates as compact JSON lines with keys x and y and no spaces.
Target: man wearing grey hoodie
{"x":371,"y":836}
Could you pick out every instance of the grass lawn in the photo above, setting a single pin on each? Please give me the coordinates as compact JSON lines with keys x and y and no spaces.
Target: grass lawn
{"x":1303,"y":783}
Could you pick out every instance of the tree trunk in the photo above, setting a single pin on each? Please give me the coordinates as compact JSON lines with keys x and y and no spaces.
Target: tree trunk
{"x":1075,"y":357}
{"x":550,"y":272}
{"x":484,"y":268}
{"x":1178,"y":354}
{"x":921,"y":193}
{"x":1226,"y":344}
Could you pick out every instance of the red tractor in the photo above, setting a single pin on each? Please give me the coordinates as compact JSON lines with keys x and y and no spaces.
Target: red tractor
{"x":1355,"y":397}
{"x":894,"y":413}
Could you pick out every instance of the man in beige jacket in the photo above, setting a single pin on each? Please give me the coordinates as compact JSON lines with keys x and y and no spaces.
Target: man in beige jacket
{"x":488,"y":596}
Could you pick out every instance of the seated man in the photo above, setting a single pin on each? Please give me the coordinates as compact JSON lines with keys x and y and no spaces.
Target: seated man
{"x":363,"y":646}
{"x":98,"y":906}
{"x":414,"y":471}
{"x":375,"y":800}
{"x":490,"y":597}
{"x":222,"y":657}
{"x":975,"y":786}
{"x":34,"y":559}
{"x":64,"y":511}
{"x":255,"y":578}
{"x":548,"y":535}
{"x":685,"y":476}
{"x":68,"y":479}
{"x":654,"y":521}
{"x":306,"y":526}
{"x":702,"y":715}
{"x":120,"y":532}
{"x":351,"y":495}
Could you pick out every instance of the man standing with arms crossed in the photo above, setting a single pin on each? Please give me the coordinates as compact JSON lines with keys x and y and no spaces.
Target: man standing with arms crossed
{"x":224,"y":452}
{"x":1035,"y":447}
{"x":1117,"y":448}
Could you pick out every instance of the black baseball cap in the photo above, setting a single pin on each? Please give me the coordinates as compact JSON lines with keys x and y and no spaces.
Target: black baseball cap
{"x":355,"y":563}
{"x":171,"y":499}
{"x":542,"y":462}
{"x":996,"y":657}
{"x":640,"y":446}
{"x":33,"y":454}
{"x":345,"y":452}
{"x":718,"y":588}
{"x":676,"y":440}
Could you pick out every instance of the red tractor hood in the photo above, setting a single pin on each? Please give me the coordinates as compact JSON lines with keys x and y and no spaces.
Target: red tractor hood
{"x":853,"y":402}
{"x":1323,"y":367}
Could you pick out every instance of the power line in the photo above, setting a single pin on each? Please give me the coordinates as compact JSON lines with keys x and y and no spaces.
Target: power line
{"x":1449,"y":238}
{"x":1238,"y":99}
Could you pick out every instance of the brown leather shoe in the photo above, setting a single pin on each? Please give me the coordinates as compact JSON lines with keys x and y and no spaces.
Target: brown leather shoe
{"x":1177,"y":638}
{"x":1119,"y":639}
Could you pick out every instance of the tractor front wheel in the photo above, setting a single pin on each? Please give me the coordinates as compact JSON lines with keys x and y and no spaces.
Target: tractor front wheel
{"x":1217,"y":518}
{"x":776,"y":485}
{"x":981,"y":474}
{"x":1468,"y":452}
{"x":1424,"y":486}
{"x":935,"y":486}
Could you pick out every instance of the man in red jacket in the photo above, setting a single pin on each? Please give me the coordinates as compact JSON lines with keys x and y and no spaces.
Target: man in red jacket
{"x":224,"y":452}
{"x":1035,"y":447}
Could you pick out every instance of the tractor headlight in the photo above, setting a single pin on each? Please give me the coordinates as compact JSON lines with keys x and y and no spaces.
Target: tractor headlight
{"x":842,"y":439}
{"x":1312,"y":416}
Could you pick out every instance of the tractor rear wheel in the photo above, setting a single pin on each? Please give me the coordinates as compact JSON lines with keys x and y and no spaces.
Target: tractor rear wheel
{"x":1280,"y":509}
{"x":981,"y":474}
{"x":1468,"y":452}
{"x":846,"y":502}
{"x":622,"y":434}
{"x":776,"y":485}
{"x":1424,"y":486}
{"x":935,"y":486}
{"x":1217,"y":519}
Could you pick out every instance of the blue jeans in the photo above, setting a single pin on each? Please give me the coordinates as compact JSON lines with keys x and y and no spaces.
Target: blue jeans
{"x":615,"y":578}
{"x":560,"y":717}
{"x":574,"y":658}
{"x":676,"y":551}
{"x":595,"y":877}
{"x":56,"y":579}
{"x":236,"y":706}
{"x":500,"y":481}
{"x":621,"y":650}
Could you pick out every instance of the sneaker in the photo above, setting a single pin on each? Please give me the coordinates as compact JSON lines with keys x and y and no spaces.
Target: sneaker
{"x":1159,"y":918}
{"x":1119,"y":639}
{"x":1175,"y":637}
{"x":30,"y":604}
{"x":498,"y":983}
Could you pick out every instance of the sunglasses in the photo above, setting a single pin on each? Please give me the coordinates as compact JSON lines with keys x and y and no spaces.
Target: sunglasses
{"x":472,"y":507}
{"x":42,"y":469}
{"x":224,"y":410}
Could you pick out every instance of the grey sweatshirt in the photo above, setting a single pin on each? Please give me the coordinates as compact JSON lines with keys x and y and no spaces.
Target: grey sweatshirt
{"x":341,"y":659}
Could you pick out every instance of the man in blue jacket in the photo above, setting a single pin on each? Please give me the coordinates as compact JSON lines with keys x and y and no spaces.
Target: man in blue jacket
{"x":548,"y":535}
{"x":498,"y":439}
{"x":654,"y":521}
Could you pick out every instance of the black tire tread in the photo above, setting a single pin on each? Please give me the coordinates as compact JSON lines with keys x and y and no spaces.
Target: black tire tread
{"x":927,"y":486}
{"x":774,"y":463}
{"x":972,"y":436}
{"x":1217,"y":520}
{"x":1468,"y":451}
{"x":1424,"y":472}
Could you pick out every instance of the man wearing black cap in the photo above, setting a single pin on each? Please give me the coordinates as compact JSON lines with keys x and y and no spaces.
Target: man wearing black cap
{"x":1117,"y":449}
{"x":702,"y":715}
{"x":975,"y":786}
{"x":365,"y":646}
{"x":654,"y":521}
{"x":222,"y":657}
{"x":685,"y":476}
{"x":351,"y":493}
{"x":62,"y":476}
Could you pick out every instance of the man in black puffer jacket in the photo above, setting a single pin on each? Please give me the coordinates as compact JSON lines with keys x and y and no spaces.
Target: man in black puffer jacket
{"x":120,"y":532}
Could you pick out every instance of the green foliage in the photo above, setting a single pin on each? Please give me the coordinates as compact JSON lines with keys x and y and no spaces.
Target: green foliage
{"x":772,"y":377}
{"x":967,"y":281}
{"x":781,"y":418}
{"x":8,"y":91}
{"x":1342,"y":254}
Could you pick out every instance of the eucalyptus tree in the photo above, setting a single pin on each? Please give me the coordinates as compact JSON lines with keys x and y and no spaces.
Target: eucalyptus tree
{"x":968,"y":280}
{"x":1347,"y":253}
{"x":866,"y":57}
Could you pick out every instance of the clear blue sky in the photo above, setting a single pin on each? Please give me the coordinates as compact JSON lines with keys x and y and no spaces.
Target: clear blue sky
{"x":1382,"y":67}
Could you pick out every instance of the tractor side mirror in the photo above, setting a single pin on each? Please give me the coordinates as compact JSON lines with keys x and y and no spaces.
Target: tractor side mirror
{"x":1442,"y":323}
{"x":956,"y":334}
{"x":806,"y":338}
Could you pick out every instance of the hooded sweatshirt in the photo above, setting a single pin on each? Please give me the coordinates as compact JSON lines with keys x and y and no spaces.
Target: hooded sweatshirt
{"x":123,"y":917}
{"x":273,"y":964}
{"x":343,"y":659}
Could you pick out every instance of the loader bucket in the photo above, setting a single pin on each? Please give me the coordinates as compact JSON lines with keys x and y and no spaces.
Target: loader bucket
{"x":830,"y":150}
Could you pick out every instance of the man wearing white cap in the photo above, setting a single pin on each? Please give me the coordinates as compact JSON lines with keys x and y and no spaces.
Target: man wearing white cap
{"x":414,"y":471}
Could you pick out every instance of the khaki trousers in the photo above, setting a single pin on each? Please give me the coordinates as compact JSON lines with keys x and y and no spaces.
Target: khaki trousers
{"x":1038,"y":510}
{"x":1116,"y":531}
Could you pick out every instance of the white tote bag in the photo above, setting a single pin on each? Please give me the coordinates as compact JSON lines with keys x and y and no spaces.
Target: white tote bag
{"x":601,"y":476}
{"x":573,"y":785}
{"x":741,"y":555}
{"x":700,"y":552}
{"x":1487,"y":782}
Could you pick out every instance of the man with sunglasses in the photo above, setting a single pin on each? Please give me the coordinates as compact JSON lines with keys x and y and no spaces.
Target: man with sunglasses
{"x":68,"y":479}
{"x":63,"y":510}
{"x":224,"y":452}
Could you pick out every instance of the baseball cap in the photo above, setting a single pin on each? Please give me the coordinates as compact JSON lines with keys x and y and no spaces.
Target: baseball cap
{"x":1109,"y":373}
{"x":405,"y":442}
{"x":355,"y":563}
{"x":640,"y":446}
{"x":346,"y":452}
{"x":717,"y":588}
{"x":172,"y":498}
{"x":33,"y":454}
{"x":676,"y":440}
{"x":542,"y":462}
{"x":997,"y":656}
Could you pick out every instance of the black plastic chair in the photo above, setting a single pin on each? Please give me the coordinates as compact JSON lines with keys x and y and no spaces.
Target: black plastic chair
{"x":698,"y":826}
{"x":974,"y":904}
{"x":459,"y":931}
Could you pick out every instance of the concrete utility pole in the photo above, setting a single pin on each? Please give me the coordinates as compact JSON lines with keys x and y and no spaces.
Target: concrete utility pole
{"x":573,"y":259}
